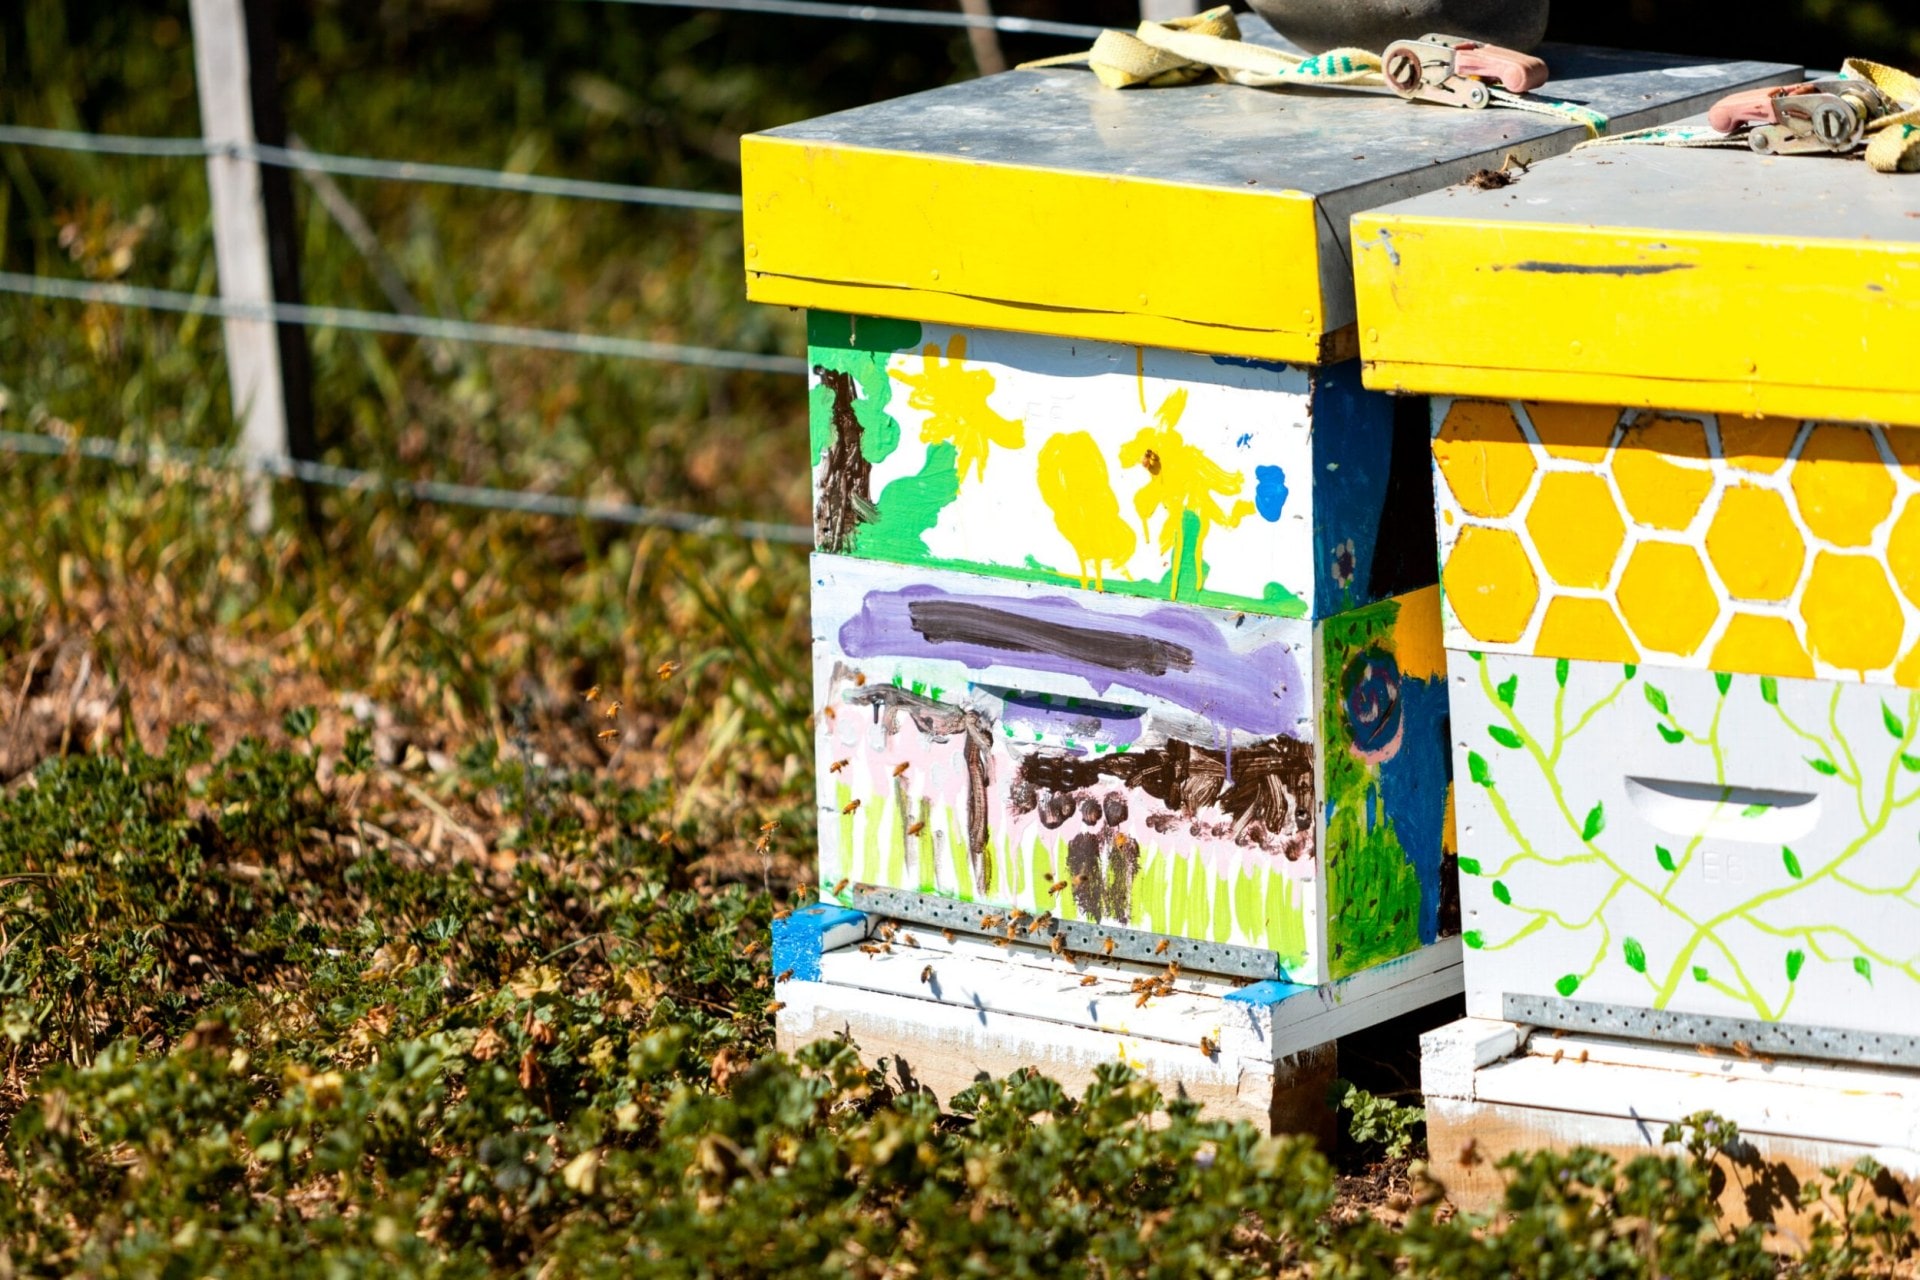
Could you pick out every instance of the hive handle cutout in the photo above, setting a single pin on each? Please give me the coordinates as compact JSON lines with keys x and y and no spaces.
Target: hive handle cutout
{"x":1727,"y":813}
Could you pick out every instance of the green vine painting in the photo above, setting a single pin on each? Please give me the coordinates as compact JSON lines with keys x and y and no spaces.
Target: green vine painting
{"x":1694,"y":841}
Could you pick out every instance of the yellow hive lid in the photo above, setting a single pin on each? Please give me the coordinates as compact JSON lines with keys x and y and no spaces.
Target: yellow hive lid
{"x":1209,"y":218}
{"x":1650,"y":277}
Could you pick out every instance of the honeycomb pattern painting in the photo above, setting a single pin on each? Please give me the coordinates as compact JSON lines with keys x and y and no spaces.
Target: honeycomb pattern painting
{"x":1742,"y":545}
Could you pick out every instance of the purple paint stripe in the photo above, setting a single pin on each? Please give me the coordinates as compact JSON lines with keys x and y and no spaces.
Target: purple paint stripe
{"x":1259,"y":691}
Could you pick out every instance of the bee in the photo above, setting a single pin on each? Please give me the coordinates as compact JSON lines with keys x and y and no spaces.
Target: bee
{"x":859,"y":678}
{"x":838,"y":765}
{"x":1742,"y":1048}
{"x":947,"y":934}
{"x":916,"y":828}
{"x":1088,"y":981}
{"x":592,"y":693}
{"x":1036,"y":924}
{"x":870,"y":949}
{"x":1559,"y":1054}
{"x":888,"y":928}
{"x":604,"y":734}
{"x":1141,"y":1001}
{"x":1470,"y":1153}
{"x":900,"y":768}
{"x":1059,"y":943}
{"x":776,"y":1006}
{"x":667,"y":668}
{"x":783,"y":975}
{"x":850,"y":805}
{"x":827,"y":711}
{"x":910,"y":940}
{"x":989,"y":922}
{"x":613,"y":709}
{"x":1207,"y":1047}
{"x":926,"y":975}
{"x":1707,"y":1051}
{"x":1160,"y":948}
{"x":1173,"y":971}
{"x":1056,"y":886}
{"x":770,"y":826}
{"x":783,"y":913}
{"x":1080,"y":880}
{"x":1000,"y":942}
{"x":1106,"y":948}
{"x":840,"y":888}
{"x":1582,"y":1057}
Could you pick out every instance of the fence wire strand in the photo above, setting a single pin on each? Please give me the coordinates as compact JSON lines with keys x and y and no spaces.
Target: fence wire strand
{"x":883,"y":13}
{"x":301,"y":158}
{"x":437,"y":491}
{"x":128,"y":295}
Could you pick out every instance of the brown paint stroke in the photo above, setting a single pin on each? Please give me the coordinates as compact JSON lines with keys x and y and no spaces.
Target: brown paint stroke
{"x":959,"y":622}
{"x":939,"y":721}
{"x":1267,"y":793}
{"x":845,"y":500}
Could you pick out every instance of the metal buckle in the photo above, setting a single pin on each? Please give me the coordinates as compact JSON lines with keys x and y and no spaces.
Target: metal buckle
{"x":1823,"y":116}
{"x":1452,"y":71}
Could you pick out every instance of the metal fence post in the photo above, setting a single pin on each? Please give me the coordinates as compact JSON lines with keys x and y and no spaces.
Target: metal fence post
{"x":268,"y":367}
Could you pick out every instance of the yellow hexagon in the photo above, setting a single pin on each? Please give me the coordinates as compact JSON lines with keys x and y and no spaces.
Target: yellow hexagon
{"x":1843,"y":488}
{"x":1659,"y":491}
{"x":1757,"y":444}
{"x":1903,"y":550}
{"x":1490,"y":584}
{"x":1577,"y":432}
{"x":1667,"y":599}
{"x":1762,"y":646}
{"x":1486,"y":460}
{"x":1853,"y":621}
{"x":1580,"y":627}
{"x":1575,"y":528}
{"x":1755,"y":544}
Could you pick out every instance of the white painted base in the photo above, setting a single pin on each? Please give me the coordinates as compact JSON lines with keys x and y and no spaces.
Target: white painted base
{"x":994,"y":1009}
{"x":1493,"y":1087}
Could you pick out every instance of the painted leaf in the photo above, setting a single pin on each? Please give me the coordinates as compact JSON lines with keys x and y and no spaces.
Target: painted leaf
{"x":1657,"y":700}
{"x":1672,"y":735}
{"x":1502,"y":894}
{"x":1560,"y":673}
{"x":1469,"y":866}
{"x":1629,"y":668}
{"x":1477,"y":769}
{"x":1635,"y":953}
{"x":1795,"y":959}
{"x":1596,"y":822}
{"x":1665,"y":857}
{"x":1568,"y":984}
{"x":1863,"y":967}
{"x":1910,"y":763}
{"x":1793,"y":863}
{"x":1755,"y":810}
{"x":1700,"y":973}
{"x":1476,"y":655}
{"x":1827,"y":767}
{"x":1722,"y":681}
{"x":1507,"y":688}
{"x":1892,"y":721}
{"x":1502,"y":735}
{"x":1473,"y":939}
{"x":1770,"y":690}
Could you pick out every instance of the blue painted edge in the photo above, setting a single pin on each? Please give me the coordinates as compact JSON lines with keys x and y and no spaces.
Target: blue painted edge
{"x":1267,"y":994}
{"x":797,"y":939}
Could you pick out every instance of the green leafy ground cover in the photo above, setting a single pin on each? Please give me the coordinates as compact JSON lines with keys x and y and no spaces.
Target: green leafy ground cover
{"x":342,"y":934}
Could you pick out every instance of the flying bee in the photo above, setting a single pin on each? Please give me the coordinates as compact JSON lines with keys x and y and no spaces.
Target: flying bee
{"x":859,"y":678}
{"x":870,"y":949}
{"x":770,"y":826}
{"x":783,"y":913}
{"x":1056,"y":886}
{"x":850,"y":805}
{"x":916,"y":828}
{"x":1160,"y":948}
{"x":1081,"y":879}
{"x":910,"y":940}
{"x":1207,"y":1047}
{"x":592,"y":693}
{"x":667,"y":668}
{"x":783,"y":975}
{"x":900,"y":768}
{"x":840,"y":888}
{"x":926,"y":975}
{"x":838,"y":765}
{"x":604,"y":734}
{"x":613,"y":709}
{"x":776,"y":1006}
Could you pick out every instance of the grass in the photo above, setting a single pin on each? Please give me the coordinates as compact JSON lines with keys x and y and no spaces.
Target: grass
{"x":341,"y":930}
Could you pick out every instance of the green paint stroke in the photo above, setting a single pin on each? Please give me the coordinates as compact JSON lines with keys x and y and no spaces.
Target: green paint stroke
{"x":861,"y":348}
{"x":1373,"y":891}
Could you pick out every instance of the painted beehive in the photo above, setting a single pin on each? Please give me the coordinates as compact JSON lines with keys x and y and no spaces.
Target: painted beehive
{"x":1683,"y":622}
{"x":1104,"y":628}
{"x":1255,"y":781}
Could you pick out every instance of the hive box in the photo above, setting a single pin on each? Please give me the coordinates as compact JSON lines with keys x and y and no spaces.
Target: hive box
{"x":1126,"y":644}
{"x":1681,"y":578}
